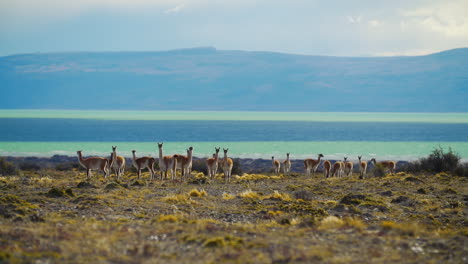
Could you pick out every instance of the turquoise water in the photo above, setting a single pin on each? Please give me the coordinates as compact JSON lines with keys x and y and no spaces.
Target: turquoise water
{"x":399,"y":136}
{"x":263,"y":149}
{"x":452,"y":118}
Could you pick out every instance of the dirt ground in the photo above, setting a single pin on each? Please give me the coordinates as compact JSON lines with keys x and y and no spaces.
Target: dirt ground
{"x":59,"y":217}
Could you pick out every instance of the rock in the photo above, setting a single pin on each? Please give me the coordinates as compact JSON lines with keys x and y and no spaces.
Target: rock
{"x":422,"y":191}
{"x":56,"y":193}
{"x":112,"y":186}
{"x":353,"y":199}
{"x":413,"y":179}
{"x":400,"y":199}
{"x":387,"y":193}
{"x":85,"y":184}
{"x":137,"y":183}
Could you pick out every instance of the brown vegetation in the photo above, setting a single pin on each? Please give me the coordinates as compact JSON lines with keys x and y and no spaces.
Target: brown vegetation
{"x":57,"y":216}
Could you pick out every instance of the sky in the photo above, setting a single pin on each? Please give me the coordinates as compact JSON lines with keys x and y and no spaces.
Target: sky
{"x":312,"y":27}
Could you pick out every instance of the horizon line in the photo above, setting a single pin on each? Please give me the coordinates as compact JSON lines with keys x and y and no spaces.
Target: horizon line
{"x":212,"y":48}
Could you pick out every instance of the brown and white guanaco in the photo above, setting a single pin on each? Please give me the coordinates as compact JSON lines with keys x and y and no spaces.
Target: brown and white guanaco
{"x":142,"y":163}
{"x":93,"y":163}
{"x":312,"y":164}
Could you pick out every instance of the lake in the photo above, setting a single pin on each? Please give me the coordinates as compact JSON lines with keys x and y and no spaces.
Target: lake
{"x":400,"y":136}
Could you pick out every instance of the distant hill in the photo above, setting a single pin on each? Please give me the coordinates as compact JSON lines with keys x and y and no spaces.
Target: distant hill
{"x":210,"y":79}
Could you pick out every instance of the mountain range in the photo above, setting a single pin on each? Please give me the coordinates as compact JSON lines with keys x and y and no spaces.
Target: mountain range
{"x":209,"y":79}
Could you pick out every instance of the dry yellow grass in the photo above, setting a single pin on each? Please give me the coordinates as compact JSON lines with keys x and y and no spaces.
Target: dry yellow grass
{"x":264,"y":220}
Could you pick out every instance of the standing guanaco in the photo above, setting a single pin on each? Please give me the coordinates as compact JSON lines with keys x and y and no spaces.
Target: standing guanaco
{"x":348,"y":167}
{"x":212,"y":164}
{"x":93,"y":163}
{"x":227,"y":166}
{"x":286,"y":165}
{"x":362,"y":168}
{"x":142,"y":163}
{"x":312,"y":164}
{"x":276,"y":166}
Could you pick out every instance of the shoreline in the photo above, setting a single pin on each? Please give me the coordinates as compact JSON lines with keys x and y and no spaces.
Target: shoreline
{"x":247,"y":165}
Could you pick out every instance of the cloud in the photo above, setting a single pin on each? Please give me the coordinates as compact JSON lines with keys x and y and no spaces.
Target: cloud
{"x":413,"y":52}
{"x":354,"y":19}
{"x":449,"y":18}
{"x":175,"y":9}
{"x":374,"y":23}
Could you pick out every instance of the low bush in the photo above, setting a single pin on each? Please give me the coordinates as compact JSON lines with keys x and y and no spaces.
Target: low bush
{"x":29,"y":166}
{"x":66,"y":166}
{"x":7,"y":168}
{"x":199,"y":165}
{"x":438,"y":161}
{"x":378,"y":170}
{"x":236,"y":167}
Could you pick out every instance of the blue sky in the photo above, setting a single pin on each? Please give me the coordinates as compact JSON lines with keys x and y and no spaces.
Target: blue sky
{"x":315,"y":27}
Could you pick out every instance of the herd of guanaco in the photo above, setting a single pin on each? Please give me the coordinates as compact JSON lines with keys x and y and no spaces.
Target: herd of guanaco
{"x":167,"y":164}
{"x":337,"y":169}
{"x":172,"y":163}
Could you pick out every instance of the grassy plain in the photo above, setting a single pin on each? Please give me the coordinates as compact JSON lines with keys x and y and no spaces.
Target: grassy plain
{"x":54,"y":216}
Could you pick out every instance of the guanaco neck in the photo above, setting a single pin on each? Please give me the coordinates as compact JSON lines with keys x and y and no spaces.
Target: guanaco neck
{"x":134,"y":159}
{"x":160,"y":153}
{"x":189,"y":154}
{"x":80,"y":158}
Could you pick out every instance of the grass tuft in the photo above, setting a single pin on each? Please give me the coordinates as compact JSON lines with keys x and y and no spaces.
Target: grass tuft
{"x":227,"y":196}
{"x":197,"y":193}
{"x":249,"y":194}
{"x":331,"y":222}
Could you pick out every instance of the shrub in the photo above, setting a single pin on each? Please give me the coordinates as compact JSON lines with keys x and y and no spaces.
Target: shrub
{"x":236,"y":167}
{"x":7,"y":168}
{"x":304,"y":195}
{"x":439,"y":161}
{"x":199,"y":165}
{"x":29,"y":166}
{"x":66,"y":166}
{"x":461,"y":171}
{"x":197,"y":193}
{"x":378,"y":170}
